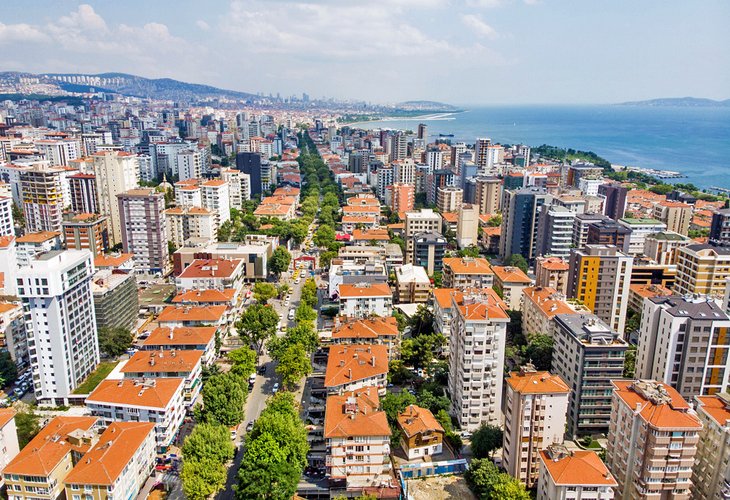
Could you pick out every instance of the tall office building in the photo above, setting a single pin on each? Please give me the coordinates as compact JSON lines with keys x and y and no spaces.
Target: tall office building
{"x":555,"y":231}
{"x":587,"y":355}
{"x":42,"y":192}
{"x":144,"y":228}
{"x":476,"y":358}
{"x":520,"y":221}
{"x":720,"y":228}
{"x":422,"y":131}
{"x":685,"y":343}
{"x":599,"y":277}
{"x":116,"y":172}
{"x":488,"y":195}
{"x":702,"y":269}
{"x":535,"y":409}
{"x":614,"y":204}
{"x":250,"y":163}
{"x":652,"y":441}
{"x":56,"y":293}
{"x":711,"y":472}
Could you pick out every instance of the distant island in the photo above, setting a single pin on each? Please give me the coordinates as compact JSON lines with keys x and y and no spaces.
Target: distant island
{"x":685,"y":102}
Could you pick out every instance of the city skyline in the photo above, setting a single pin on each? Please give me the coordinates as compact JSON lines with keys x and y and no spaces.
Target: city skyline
{"x":468,"y":53}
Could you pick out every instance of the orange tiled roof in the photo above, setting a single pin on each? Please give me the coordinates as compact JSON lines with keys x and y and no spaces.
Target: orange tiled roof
{"x":356,"y":219}
{"x":360,"y":418}
{"x":155,"y":394}
{"x":104,"y":463}
{"x":50,"y":446}
{"x":450,"y":217}
{"x":360,"y":209}
{"x":580,"y":468}
{"x":491,"y":307}
{"x":548,"y":300}
{"x":112,"y":260}
{"x":510,"y":274}
{"x":416,"y":420}
{"x":468,"y":265}
{"x":713,"y":406}
{"x":192,"y":313}
{"x":211,"y":268}
{"x":6,"y":241}
{"x":673,"y":415}
{"x":350,"y":363}
{"x":279,"y":200}
{"x":162,"y":361}
{"x":184,"y":335}
{"x":272,"y":209}
{"x":372,"y":290}
{"x":537,"y":383}
{"x":205,"y":296}
{"x":554,"y":264}
{"x":214,"y":183}
{"x":287,"y":191}
{"x":39,"y":237}
{"x":651,"y":290}
{"x":363,"y":201}
{"x":370,"y":328}
{"x":443,"y":296}
{"x":6,"y":415}
{"x":371,"y":234}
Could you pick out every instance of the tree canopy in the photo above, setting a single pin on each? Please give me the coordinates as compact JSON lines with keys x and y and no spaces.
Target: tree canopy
{"x":114,"y":341}
{"x":518,"y":261}
{"x":539,"y":351}
{"x":485,"y":440}
{"x":257,"y":324}
{"x":280,"y":259}
{"x":223,"y":398}
{"x":488,"y":483}
{"x":263,"y":292}
{"x":244,"y":361}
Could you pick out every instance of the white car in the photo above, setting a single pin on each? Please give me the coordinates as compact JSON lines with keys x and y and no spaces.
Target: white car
{"x":275,"y":389}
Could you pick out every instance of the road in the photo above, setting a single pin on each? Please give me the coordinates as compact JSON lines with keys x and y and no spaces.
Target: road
{"x":261,"y":391}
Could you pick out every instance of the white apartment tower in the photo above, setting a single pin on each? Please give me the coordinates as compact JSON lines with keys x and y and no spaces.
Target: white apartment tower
{"x":60,"y":321}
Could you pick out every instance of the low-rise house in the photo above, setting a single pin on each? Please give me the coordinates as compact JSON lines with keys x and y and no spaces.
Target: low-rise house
{"x":117,"y":466}
{"x":412,"y":284}
{"x":364,"y":299}
{"x":197,"y":338}
{"x":358,"y":439}
{"x":157,"y":400}
{"x":467,"y":272}
{"x":370,"y":236}
{"x":351,"y":367}
{"x":510,"y":281}
{"x":375,"y":330}
{"x":352,"y":222}
{"x":168,"y":364}
{"x":575,"y":474}
{"x":423,"y":436}
{"x":41,"y":467}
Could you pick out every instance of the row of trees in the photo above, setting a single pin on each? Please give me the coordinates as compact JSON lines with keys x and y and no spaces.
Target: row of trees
{"x":205,"y":453}
{"x":275,"y":453}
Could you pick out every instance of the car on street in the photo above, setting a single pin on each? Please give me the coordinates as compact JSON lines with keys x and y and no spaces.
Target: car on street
{"x":275,"y":389}
{"x":233,"y":433}
{"x":249,"y":426}
{"x":252,"y":379}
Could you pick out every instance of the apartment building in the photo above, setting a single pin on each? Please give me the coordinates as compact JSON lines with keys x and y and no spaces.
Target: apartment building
{"x":637,"y":294}
{"x":662,"y":247}
{"x":467,"y":226}
{"x":720,"y":228}
{"x":254,"y":252}
{"x":116,"y":172}
{"x":467,"y":272}
{"x":350,"y":273}
{"x":186,"y":315}
{"x":566,"y":474}
{"x":640,"y":229}
{"x":520,"y":215}
{"x":702,"y":269}
{"x":674,"y":214}
{"x":28,"y":246}
{"x":403,"y":197}
{"x":412,"y":284}
{"x":60,"y":320}
{"x":423,"y":435}
{"x":711,"y":471}
{"x":449,"y":198}
{"x":685,"y":343}
{"x":117,"y":466}
{"x":417,"y":222}
{"x":61,"y":444}
{"x":587,"y":355}
{"x":358,"y":439}
{"x":476,"y":358}
{"x":614,"y":203}
{"x":8,"y":439}
{"x":87,"y":231}
{"x":239,"y":186}
{"x":429,"y":250}
{"x":42,"y":192}
{"x":116,"y":299}
{"x":536,"y":404}
{"x":607,"y":232}
{"x":374,"y":330}
{"x":12,"y":333}
{"x":488,"y":195}
{"x":555,"y":231}
{"x":164,"y":363}
{"x":652,"y":441}
{"x":211,"y":274}
{"x":7,"y":224}
{"x":599,"y":277}
{"x":352,"y":367}
{"x":200,"y":338}
{"x":539,"y":306}
{"x":361,"y":300}
{"x":156,"y":400}
{"x":509,"y":282}
{"x":144,"y":228}
{"x":581,"y":226}
{"x":192,"y":223}
{"x":552,"y":272}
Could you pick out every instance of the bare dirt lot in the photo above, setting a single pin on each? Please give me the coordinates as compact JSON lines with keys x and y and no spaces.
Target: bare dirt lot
{"x":440,"y":488}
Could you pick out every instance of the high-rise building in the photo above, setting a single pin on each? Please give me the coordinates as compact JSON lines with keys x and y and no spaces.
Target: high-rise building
{"x":250,"y":163}
{"x":614,"y":204}
{"x":685,"y":343}
{"x":116,"y":172}
{"x":386,"y":177}
{"x":239,"y":186}
{"x":652,"y":441}
{"x":588,"y":354}
{"x":403,"y":197}
{"x":449,"y":199}
{"x":423,"y":131}
{"x":404,"y":171}
{"x":476,"y":358}
{"x":59,"y":152}
{"x":83,"y":193}
{"x":607,"y":232}
{"x":702,"y":269}
{"x":675,"y":215}
{"x":535,"y":409}
{"x":43,"y":198}
{"x":190,"y":164}
{"x":144,"y":228}
{"x":421,"y":221}
{"x":520,"y":221}
{"x":398,"y":146}
{"x":600,"y":276}
{"x":467,"y":227}
{"x":720,"y":228}
{"x":488,"y":195}
{"x":581,"y":225}
{"x":56,"y":293}
{"x":640,"y":229}
{"x":481,"y":152}
{"x":87,"y":231}
{"x":555,"y":231}
{"x":428,"y":251}
{"x":7,"y":225}
{"x":711,"y":472}
{"x":662,"y":247}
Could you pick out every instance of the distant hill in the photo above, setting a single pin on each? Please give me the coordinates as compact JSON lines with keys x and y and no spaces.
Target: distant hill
{"x":688,"y":102}
{"x":425,"y":106}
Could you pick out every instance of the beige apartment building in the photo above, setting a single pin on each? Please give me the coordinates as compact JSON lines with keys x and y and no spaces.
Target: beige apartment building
{"x":573,"y":474}
{"x":467,"y":272}
{"x":488,"y":195}
{"x":711,"y":472}
{"x":702,"y":269}
{"x":552,"y":272}
{"x":539,"y":306}
{"x":652,"y":441}
{"x":675,"y":215}
{"x":535,"y":409}
{"x":510,"y":281}
{"x":412,"y":284}
{"x":417,"y":222}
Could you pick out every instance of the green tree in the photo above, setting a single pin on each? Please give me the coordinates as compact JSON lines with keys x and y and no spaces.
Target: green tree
{"x":202,"y":478}
{"x":515,"y":336}
{"x":633,"y":322}
{"x":244,"y":361}
{"x":324,"y":236}
{"x":298,"y":232}
{"x":305,"y":313}
{"x":309,"y":293}
{"x":27,"y":426}
{"x":421,"y":322}
{"x":495,"y":221}
{"x":18,"y":215}
{"x":208,"y":442}
{"x":282,"y":290}
{"x":325,"y":258}
{"x":419,"y":351}
{"x":488,"y":483}
{"x":630,"y":362}
{"x":438,"y":279}
{"x":470,"y":251}
{"x":394,"y":403}
{"x":257,"y":324}
{"x":485,"y":440}
{"x":434,"y":403}
{"x":114,"y":341}
{"x":280,"y":260}
{"x":398,"y":373}
{"x":8,"y":369}
{"x":294,"y":364}
{"x":263,"y":292}
{"x":518,"y":261}
{"x":223,"y":399}
{"x":539,"y":351}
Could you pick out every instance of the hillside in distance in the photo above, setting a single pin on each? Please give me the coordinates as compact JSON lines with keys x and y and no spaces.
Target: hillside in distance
{"x":688,"y":102}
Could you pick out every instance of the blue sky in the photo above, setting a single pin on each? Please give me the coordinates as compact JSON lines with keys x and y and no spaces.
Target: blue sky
{"x":463,"y":52}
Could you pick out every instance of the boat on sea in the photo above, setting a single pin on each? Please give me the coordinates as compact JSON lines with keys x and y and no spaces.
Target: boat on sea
{"x":446,"y":135}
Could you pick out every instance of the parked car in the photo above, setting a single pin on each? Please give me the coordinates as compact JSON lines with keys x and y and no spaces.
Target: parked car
{"x":275,"y":388}
{"x":249,"y":426}
{"x":252,"y":379}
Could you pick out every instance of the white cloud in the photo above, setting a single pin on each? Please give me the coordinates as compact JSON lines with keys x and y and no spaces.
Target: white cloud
{"x":13,"y":33}
{"x":478,"y":26}
{"x":202,"y":25}
{"x":486,"y":4}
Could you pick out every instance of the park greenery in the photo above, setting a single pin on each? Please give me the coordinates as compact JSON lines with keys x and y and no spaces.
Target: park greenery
{"x":8,"y":369}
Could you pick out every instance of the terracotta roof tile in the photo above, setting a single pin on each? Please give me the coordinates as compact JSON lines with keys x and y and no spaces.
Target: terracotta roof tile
{"x":163,"y":361}
{"x":212,"y":314}
{"x":205,"y":296}
{"x":350,"y":363}
{"x":370,"y":328}
{"x":537,"y":383}
{"x":184,"y":335}
{"x":468,"y":265}
{"x":39,"y":237}
{"x":548,"y":300}
{"x":372,"y":290}
{"x":579,"y":468}
{"x":155,"y":394}
{"x":211,"y":268}
{"x":673,"y":415}
{"x":715,"y":407}
{"x":416,"y":420}
{"x":6,"y":415}
{"x":510,"y":274}
{"x":355,"y":414}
